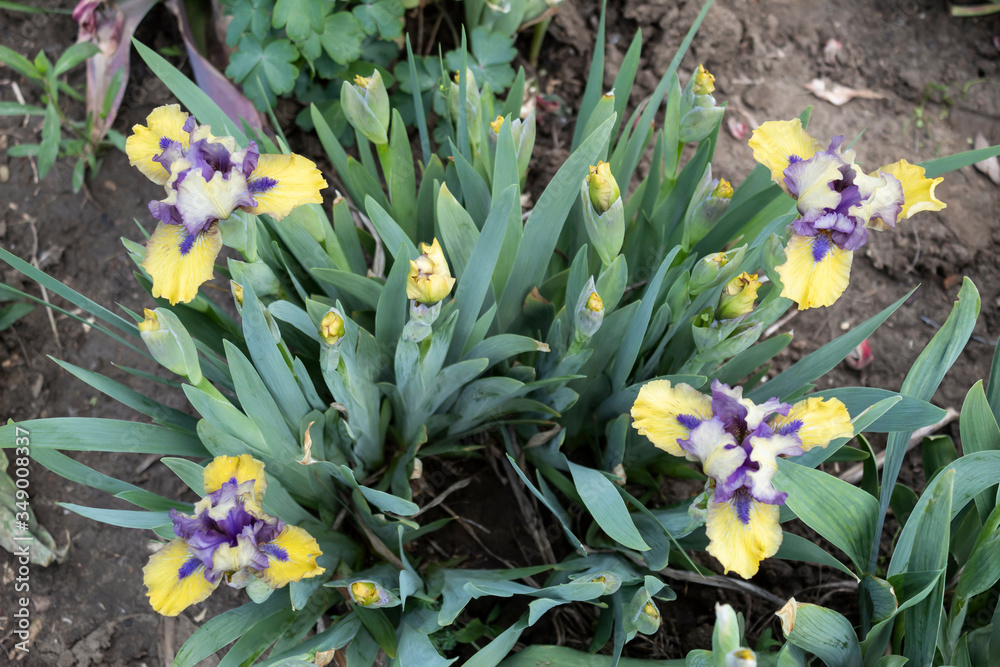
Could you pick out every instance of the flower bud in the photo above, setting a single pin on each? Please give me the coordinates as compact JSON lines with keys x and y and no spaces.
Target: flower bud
{"x":612,"y":582}
{"x":738,"y":297}
{"x":647,"y":620}
{"x":366,"y":106}
{"x":589,"y":310}
{"x":237,"y":290}
{"x":603,"y":212}
{"x":704,"y":82}
{"x":367,"y":593}
{"x":421,"y":322}
{"x":726,"y":634}
{"x":741,"y":657}
{"x":699,"y":113}
{"x":472,"y":104}
{"x":496,"y":125}
{"x":523,"y":133}
{"x":331,"y":327}
{"x":707,"y":270}
{"x":430,"y":279}
{"x":708,"y":204}
{"x":602,"y":187}
{"x":787,"y":615}
{"x":170,"y":343}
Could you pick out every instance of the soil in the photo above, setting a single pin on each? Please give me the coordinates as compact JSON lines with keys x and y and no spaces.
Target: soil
{"x":91,"y":609}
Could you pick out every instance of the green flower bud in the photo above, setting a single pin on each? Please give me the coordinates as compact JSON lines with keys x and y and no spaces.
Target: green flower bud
{"x":366,"y":105}
{"x":612,"y":582}
{"x":589,"y":310}
{"x":706,"y":271}
{"x":331,"y":327}
{"x":602,"y":187}
{"x":741,"y":657}
{"x":647,"y":619}
{"x":603,"y":212}
{"x":472,"y":104}
{"x":699,"y":113}
{"x":708,"y":204}
{"x":726,"y":635}
{"x":367,"y":593}
{"x":170,"y":343}
{"x":738,"y":297}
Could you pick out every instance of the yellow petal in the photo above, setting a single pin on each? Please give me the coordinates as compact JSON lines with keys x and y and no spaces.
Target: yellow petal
{"x":176,"y":276}
{"x":918,"y":191}
{"x":175,"y":579}
{"x":282,"y":182}
{"x":776,"y":140}
{"x":739,"y":546}
{"x":810,"y":283}
{"x":819,"y":422}
{"x":657,"y":407}
{"x":242,"y":468}
{"x":166,"y":122}
{"x":291,"y":556}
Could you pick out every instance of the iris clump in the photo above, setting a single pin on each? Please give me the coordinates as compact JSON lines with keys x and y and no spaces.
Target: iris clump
{"x":837,"y":203}
{"x":737,"y":443}
{"x":206,"y":179}
{"x":228,"y":537}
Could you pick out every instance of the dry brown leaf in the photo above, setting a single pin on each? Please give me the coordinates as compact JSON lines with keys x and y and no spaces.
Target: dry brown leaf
{"x":989,"y":166}
{"x":839,"y":95}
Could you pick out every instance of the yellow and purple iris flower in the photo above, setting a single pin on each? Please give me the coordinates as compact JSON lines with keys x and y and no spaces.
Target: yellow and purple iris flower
{"x":230,"y":537}
{"x":206,"y":178}
{"x":838,"y":204}
{"x":737,"y":443}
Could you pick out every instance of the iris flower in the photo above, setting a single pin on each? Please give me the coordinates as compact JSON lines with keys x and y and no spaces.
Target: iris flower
{"x":737,"y":443}
{"x":206,"y":178}
{"x":838,"y":204}
{"x":228,"y":536}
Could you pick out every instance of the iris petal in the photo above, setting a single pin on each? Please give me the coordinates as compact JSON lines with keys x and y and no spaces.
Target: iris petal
{"x":179,"y":263}
{"x":147,"y":141}
{"x":776,"y":141}
{"x":816,"y":272}
{"x":282,"y":182}
{"x":809,"y":181}
{"x":291,"y":556}
{"x":742,"y":532}
{"x":881,"y":202}
{"x":659,"y":409}
{"x":918,"y":191}
{"x":242,"y":468}
{"x":718,"y":451}
{"x":175,"y":579}
{"x":816,"y":422}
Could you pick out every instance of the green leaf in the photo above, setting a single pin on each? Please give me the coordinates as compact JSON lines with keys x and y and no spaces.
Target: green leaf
{"x":384,"y":17}
{"x":298,"y":17}
{"x":104,"y":435}
{"x":392,"y":235}
{"x":271,"y":65}
{"x":416,"y":648}
{"x":19,"y":63}
{"x":51,"y":135}
{"x":458,"y":232}
{"x":492,"y":53}
{"x":562,"y":656}
{"x":553,"y":506}
{"x":826,"y":634}
{"x":140,"y":403}
{"x":491,"y":654}
{"x":814,"y":365}
{"x":906,"y":415}
{"x":796,"y":548}
{"x":12,"y":313}
{"x":943,"y":165}
{"x":15,"y":109}
{"x":390,"y":315}
{"x":193,"y":98}
{"x":380,"y":627}
{"x":472,"y":291}
{"x":746,"y":362}
{"x":364,"y":289}
{"x":921,"y":382}
{"x":848,"y":524}
{"x":225,"y":628}
{"x":75,"y":55}
{"x":542,"y":230}
{"x":605,"y":504}
{"x":980,"y":433}
{"x":342,"y":37}
{"x":121,"y":518}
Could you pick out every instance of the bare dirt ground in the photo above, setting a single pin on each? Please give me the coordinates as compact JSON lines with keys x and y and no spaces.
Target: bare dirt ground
{"x":91,"y":610}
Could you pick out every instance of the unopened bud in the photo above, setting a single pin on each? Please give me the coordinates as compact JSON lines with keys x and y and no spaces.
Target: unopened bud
{"x":738,"y":296}
{"x":603,"y":212}
{"x":589,"y":310}
{"x":704,"y":82}
{"x":741,"y":657}
{"x":366,"y":105}
{"x":170,"y":343}
{"x":429,"y":280}
{"x":331,"y":327}
{"x":602,"y":187}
